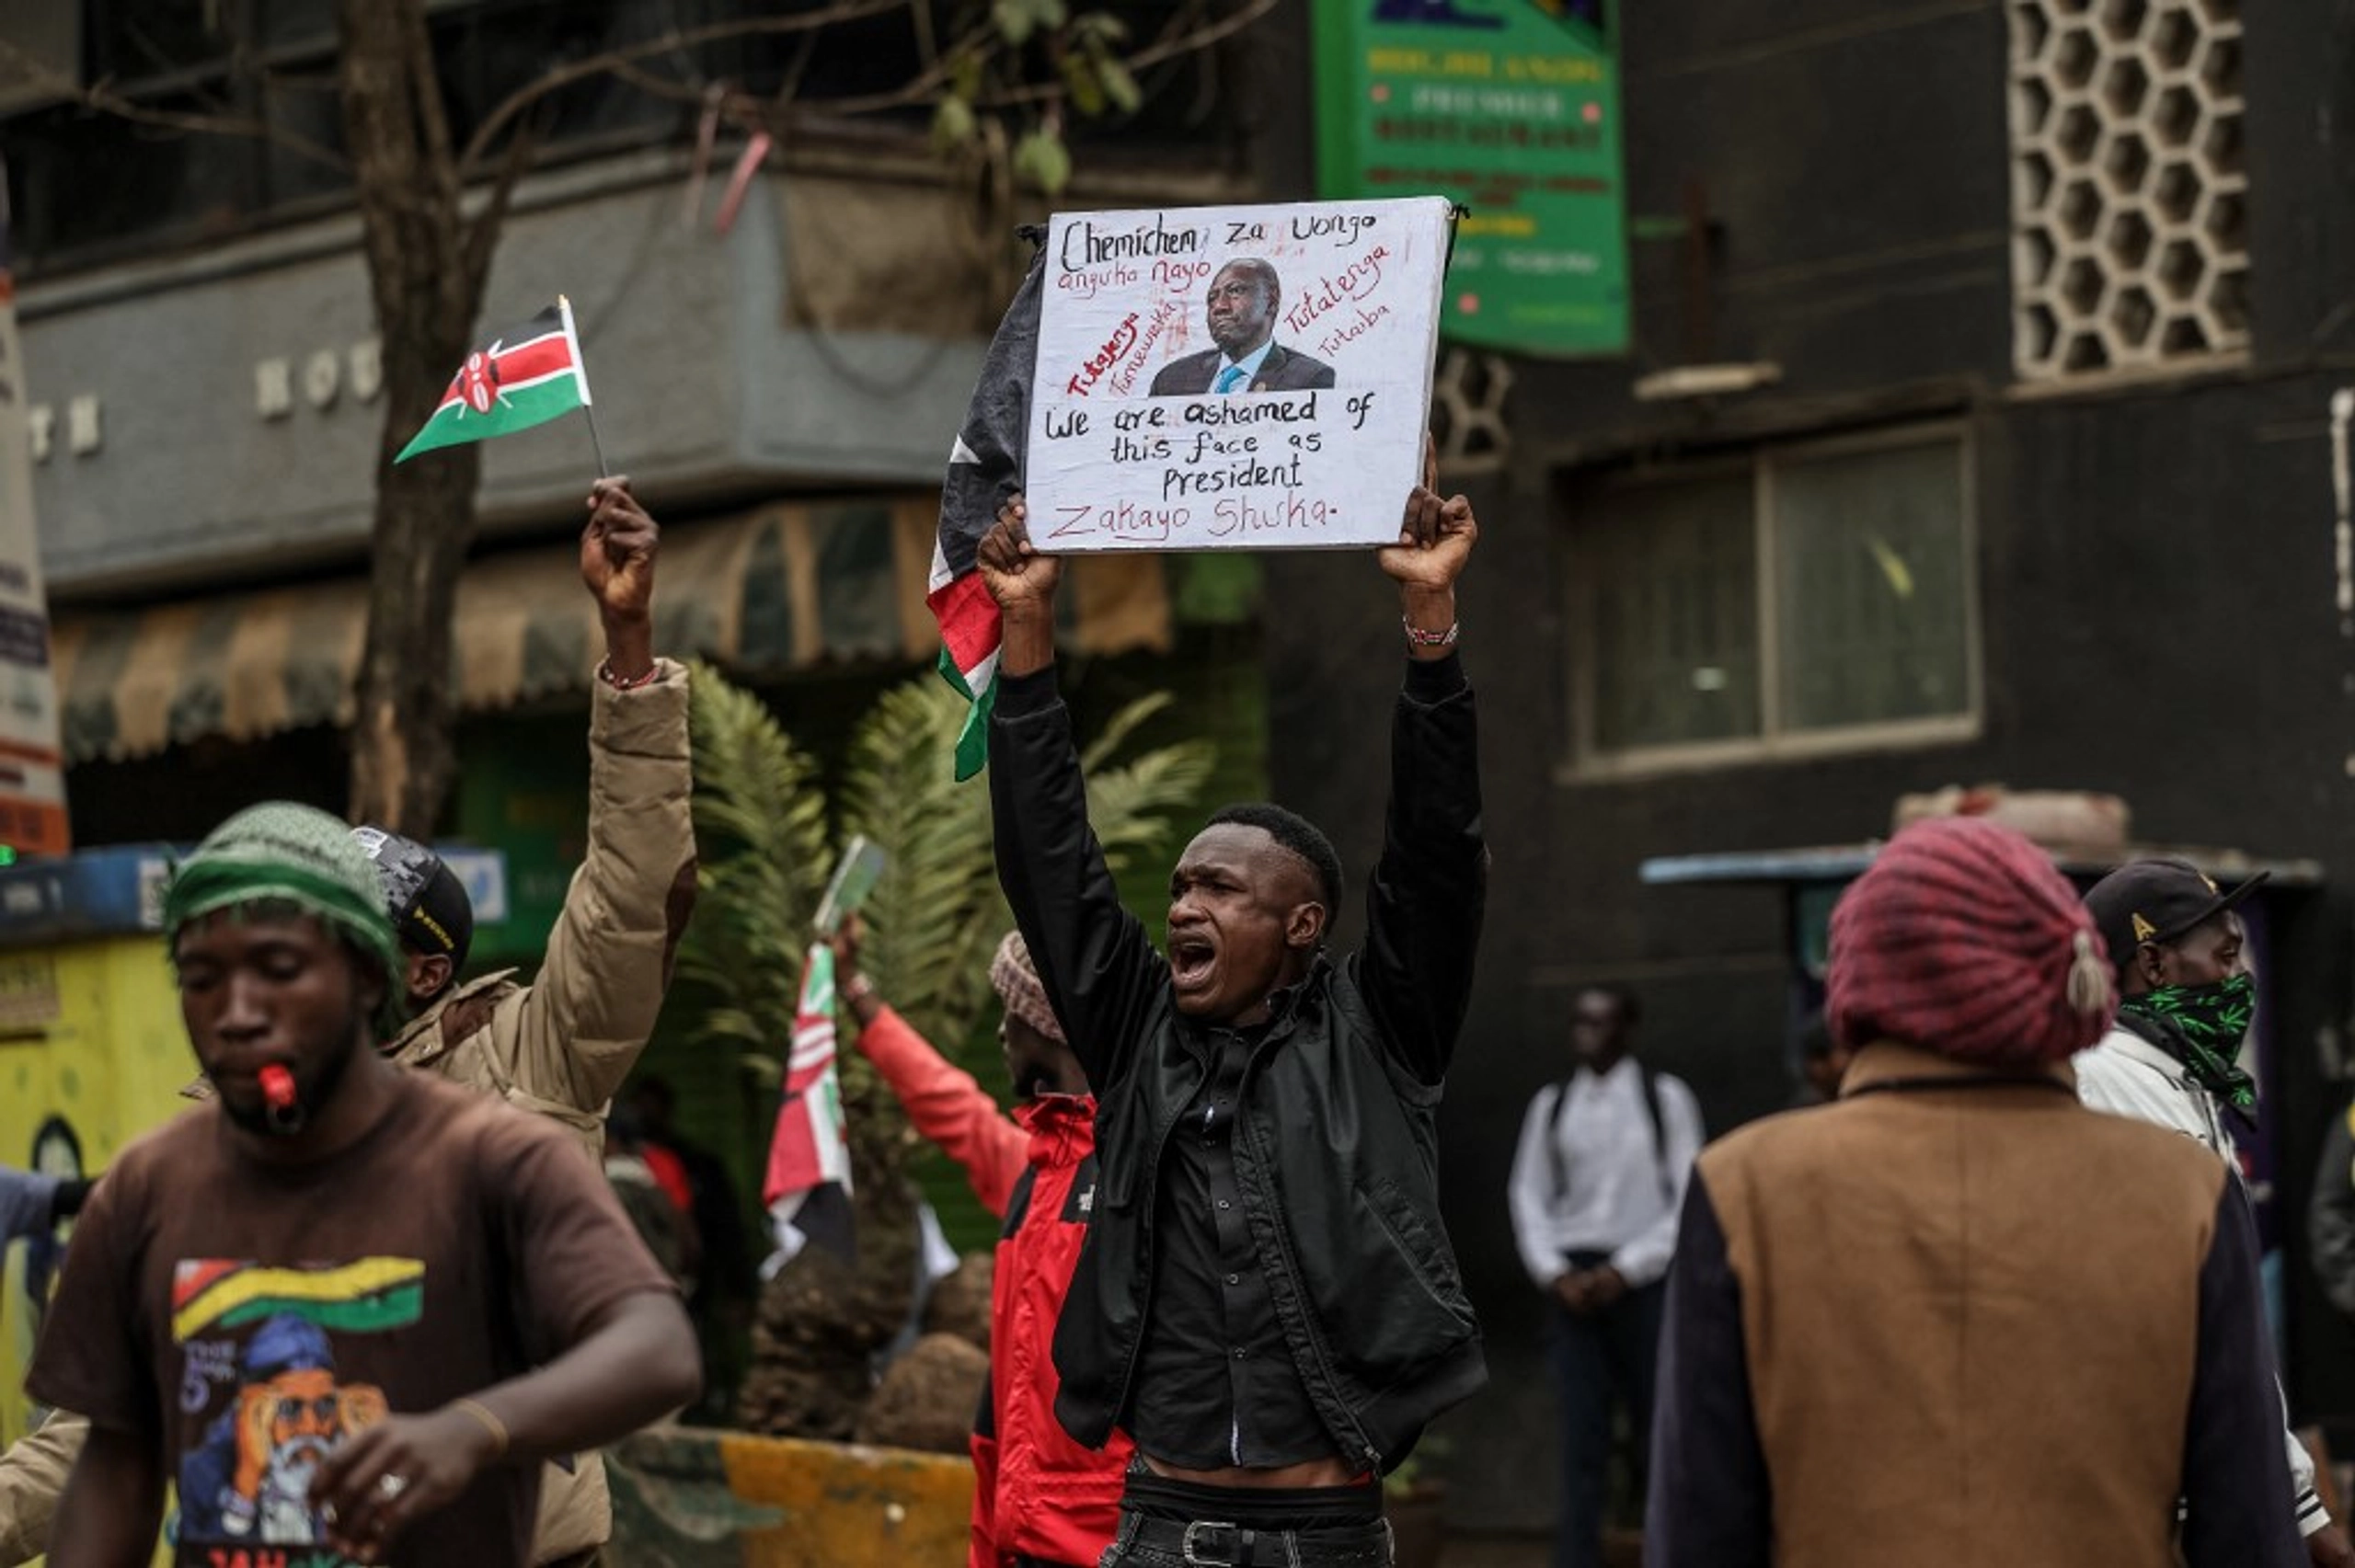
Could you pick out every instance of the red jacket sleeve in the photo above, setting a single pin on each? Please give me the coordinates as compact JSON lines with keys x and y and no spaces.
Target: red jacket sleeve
{"x":950,"y":1108}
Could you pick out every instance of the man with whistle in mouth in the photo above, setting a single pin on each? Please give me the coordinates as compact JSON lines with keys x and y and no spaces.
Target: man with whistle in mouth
{"x":244,"y":1315}
{"x":559,"y":1048}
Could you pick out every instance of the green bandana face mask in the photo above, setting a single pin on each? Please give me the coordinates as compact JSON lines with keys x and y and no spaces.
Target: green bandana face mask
{"x":2208,"y":1022}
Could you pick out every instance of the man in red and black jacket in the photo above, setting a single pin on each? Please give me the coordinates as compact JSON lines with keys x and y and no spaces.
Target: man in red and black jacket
{"x":1039,"y":1499}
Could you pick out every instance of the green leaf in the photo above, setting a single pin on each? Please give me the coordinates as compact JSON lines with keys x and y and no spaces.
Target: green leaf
{"x":1119,"y":85}
{"x":965,"y":75}
{"x":952,"y":123}
{"x":1042,"y":159}
{"x":1099,"y":27}
{"x":1015,"y":20}
{"x":1080,"y":82}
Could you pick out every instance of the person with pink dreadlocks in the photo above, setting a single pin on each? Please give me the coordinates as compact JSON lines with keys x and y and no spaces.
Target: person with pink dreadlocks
{"x":1955,"y":1316}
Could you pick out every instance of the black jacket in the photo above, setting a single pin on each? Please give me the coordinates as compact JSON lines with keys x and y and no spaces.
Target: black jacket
{"x":1282,"y":370}
{"x":1336,"y":1147}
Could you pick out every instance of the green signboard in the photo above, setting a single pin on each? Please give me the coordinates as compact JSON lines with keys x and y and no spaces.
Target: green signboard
{"x":1511,"y":108}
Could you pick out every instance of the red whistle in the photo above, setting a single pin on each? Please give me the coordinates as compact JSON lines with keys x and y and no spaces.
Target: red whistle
{"x":278,"y":1087}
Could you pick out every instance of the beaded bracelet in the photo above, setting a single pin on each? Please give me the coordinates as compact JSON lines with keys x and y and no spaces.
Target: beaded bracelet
{"x":606,"y":673}
{"x":1421,"y":639}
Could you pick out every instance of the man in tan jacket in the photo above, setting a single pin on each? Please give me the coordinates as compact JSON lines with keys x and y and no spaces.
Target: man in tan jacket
{"x":1956,"y":1317}
{"x":561,"y":1046}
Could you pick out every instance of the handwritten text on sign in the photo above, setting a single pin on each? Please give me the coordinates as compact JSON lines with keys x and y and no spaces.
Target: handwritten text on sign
{"x":1214,"y":377}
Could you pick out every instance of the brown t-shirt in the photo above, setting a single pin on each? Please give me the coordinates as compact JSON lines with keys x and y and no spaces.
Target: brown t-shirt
{"x":247,"y":1317}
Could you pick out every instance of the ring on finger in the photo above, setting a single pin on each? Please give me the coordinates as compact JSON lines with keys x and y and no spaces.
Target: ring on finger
{"x":390,"y":1485}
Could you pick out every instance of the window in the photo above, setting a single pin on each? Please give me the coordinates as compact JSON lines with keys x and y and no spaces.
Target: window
{"x":1802,"y":599}
{"x":2129,"y":186}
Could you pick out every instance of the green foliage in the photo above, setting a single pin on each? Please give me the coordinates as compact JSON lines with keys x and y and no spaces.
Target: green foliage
{"x":1010,"y":55}
{"x":769,"y":836}
{"x":762,"y":836}
{"x":1041,"y":158}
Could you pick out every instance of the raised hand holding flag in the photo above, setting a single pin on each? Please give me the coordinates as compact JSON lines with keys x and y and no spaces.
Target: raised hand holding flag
{"x":984,"y":468}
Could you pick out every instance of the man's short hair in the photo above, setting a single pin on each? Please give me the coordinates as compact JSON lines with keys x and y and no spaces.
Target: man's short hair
{"x":1296,"y":833}
{"x":1262,"y":270}
{"x":1630,"y":1006}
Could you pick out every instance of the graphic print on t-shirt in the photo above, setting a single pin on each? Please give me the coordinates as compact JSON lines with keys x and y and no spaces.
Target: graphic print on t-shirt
{"x":259,"y":1391}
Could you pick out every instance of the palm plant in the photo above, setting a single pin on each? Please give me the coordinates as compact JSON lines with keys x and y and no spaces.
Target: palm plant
{"x":770,"y":833}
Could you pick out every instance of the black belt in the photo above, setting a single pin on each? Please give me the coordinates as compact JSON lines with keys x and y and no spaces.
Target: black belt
{"x":1210,"y":1543}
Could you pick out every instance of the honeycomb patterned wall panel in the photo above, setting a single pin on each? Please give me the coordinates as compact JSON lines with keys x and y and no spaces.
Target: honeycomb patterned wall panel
{"x":1469,"y":393}
{"x":2129,"y":192}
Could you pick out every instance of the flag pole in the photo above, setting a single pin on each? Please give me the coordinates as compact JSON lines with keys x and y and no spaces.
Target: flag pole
{"x":580,"y":376}
{"x":594,"y":445}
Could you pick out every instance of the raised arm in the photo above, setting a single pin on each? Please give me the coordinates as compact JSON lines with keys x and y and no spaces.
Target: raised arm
{"x":1430,"y":888}
{"x":1099,"y":969}
{"x":943,"y":1102}
{"x":585,"y":1022}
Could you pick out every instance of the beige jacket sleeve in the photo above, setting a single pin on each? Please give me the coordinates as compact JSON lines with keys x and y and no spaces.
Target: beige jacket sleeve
{"x":32,"y":1477}
{"x":574,"y":1035}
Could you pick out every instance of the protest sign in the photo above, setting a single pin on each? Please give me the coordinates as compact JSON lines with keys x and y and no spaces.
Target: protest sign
{"x":1223,"y":377}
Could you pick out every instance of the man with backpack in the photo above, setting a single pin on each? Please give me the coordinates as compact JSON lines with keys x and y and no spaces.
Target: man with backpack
{"x":1597,"y":1184}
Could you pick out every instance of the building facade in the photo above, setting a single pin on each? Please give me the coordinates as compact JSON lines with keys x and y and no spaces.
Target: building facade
{"x":1977,"y":426}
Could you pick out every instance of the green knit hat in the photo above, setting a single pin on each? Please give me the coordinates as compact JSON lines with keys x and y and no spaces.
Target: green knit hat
{"x":296,"y":854}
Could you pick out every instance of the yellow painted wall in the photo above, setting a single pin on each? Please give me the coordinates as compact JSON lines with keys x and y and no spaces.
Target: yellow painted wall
{"x":90,"y":1032}
{"x":850,"y":1506}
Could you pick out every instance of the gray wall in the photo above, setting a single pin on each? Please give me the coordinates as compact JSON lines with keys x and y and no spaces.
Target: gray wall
{"x":706,"y":381}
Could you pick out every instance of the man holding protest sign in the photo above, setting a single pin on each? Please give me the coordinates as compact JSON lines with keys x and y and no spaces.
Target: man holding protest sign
{"x":1267,"y":1303}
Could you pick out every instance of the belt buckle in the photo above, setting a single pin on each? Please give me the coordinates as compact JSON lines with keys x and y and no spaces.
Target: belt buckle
{"x":1203,"y":1527}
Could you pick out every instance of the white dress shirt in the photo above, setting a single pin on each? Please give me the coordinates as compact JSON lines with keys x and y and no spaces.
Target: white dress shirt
{"x":1613,"y":1201}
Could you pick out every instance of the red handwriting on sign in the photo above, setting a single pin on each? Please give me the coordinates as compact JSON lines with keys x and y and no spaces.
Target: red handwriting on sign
{"x":1104,"y":358}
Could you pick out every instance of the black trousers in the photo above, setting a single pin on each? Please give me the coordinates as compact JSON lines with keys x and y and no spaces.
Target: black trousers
{"x":1600,"y":1359}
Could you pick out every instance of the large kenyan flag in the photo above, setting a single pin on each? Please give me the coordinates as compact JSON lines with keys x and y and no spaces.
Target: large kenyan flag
{"x":984,"y":468}
{"x":523,"y":376}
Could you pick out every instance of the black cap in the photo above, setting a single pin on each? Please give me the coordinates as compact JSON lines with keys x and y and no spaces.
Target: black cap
{"x":428,"y":903}
{"x":2157,"y":900}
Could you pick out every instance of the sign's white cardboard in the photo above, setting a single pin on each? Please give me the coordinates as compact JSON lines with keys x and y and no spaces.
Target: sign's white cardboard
{"x":1233,"y":377}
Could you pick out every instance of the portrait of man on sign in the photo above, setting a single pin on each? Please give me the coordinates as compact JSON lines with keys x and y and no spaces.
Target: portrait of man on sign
{"x":1244,"y":297}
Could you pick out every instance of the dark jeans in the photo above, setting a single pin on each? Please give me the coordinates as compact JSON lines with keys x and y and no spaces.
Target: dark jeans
{"x":1154,"y":1543}
{"x":1599,"y":1360}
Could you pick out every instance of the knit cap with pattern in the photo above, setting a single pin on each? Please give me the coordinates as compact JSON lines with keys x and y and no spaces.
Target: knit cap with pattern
{"x":1962,"y":938}
{"x":1016,"y":980}
{"x":281,"y":852}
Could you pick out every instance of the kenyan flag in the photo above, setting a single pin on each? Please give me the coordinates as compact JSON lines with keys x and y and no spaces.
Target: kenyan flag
{"x":523,"y":376}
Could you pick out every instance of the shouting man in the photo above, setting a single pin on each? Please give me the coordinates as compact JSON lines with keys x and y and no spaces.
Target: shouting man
{"x":1267,"y":1303}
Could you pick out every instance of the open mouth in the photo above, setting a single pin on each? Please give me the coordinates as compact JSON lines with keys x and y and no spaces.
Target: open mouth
{"x":1190,"y":958}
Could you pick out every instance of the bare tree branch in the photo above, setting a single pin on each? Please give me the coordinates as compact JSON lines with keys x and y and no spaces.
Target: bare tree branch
{"x":922,"y":87}
{"x":101,"y":96}
{"x":479,"y":144}
{"x":479,"y":236}
{"x":432,"y":114}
